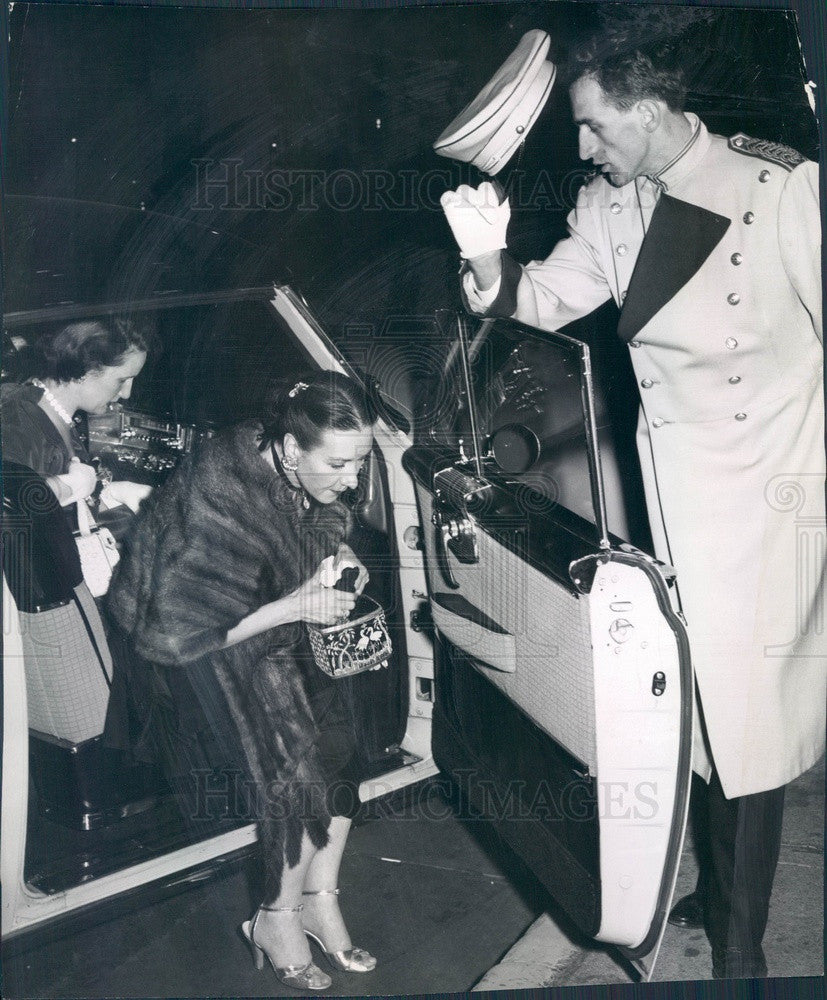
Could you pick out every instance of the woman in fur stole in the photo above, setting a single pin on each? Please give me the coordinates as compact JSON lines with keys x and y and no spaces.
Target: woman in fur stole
{"x":227,"y":561}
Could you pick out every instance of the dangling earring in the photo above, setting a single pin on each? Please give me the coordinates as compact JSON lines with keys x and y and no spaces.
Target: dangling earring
{"x":286,"y":464}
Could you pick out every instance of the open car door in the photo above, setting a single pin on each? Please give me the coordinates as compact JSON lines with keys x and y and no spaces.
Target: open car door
{"x":564,"y":688}
{"x":78,"y":827}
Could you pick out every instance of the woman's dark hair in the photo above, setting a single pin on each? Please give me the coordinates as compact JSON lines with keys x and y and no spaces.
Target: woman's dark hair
{"x":73,"y":351}
{"x":316,"y":403}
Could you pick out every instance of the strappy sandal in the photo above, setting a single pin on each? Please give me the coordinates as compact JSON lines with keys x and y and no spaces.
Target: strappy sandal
{"x":351,"y":960}
{"x":301,"y":977}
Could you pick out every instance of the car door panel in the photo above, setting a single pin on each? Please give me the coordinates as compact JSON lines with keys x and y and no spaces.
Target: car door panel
{"x":546,"y":627}
{"x":535,"y":795}
{"x":643,"y":709}
{"x":469,"y":628}
{"x":596,"y":666}
{"x":563,"y":682}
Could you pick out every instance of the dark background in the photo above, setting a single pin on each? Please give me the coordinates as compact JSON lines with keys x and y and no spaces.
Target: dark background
{"x":145,"y":90}
{"x":122,"y":120}
{"x":109,"y":106}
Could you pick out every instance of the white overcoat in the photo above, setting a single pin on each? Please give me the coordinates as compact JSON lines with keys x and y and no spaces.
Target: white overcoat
{"x":724,"y":321}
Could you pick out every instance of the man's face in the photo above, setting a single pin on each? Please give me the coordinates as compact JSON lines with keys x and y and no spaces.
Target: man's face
{"x":614,"y":140}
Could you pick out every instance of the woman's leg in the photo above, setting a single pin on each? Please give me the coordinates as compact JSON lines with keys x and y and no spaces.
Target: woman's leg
{"x":321,"y":908}
{"x":323,"y":870}
{"x":281,"y":934}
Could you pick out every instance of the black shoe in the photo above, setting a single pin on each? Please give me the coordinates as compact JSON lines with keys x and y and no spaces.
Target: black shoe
{"x":688,"y":912}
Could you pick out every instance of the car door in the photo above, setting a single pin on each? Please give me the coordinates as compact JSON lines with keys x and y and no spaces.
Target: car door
{"x":563,"y":683}
{"x":73,"y":835}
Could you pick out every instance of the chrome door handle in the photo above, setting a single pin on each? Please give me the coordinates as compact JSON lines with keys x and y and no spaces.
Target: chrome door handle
{"x":455,"y":534}
{"x":461,"y":538}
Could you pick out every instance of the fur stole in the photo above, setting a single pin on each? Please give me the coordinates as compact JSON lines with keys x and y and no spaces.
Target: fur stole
{"x":225,"y":535}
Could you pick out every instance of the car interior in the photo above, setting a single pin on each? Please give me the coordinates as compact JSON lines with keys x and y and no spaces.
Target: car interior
{"x":92,"y":809}
{"x":505,"y":488}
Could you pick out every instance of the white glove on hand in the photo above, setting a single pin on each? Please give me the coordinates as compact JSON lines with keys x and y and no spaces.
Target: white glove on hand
{"x":77,"y":483}
{"x":328,"y":574}
{"x":477,"y":219}
{"x":122,"y":491}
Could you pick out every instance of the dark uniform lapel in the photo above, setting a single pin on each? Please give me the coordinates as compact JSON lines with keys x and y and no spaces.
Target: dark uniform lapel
{"x":679,"y":239}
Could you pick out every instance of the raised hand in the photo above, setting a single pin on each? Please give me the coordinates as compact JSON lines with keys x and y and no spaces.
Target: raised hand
{"x":477,"y":219}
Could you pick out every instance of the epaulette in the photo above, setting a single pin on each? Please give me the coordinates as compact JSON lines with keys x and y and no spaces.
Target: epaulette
{"x":764,"y":149}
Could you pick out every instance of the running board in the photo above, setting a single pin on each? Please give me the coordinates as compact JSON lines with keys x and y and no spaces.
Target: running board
{"x":373,"y":788}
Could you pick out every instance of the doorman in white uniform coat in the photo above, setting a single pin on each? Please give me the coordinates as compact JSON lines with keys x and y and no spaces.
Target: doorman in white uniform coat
{"x":711,"y":248}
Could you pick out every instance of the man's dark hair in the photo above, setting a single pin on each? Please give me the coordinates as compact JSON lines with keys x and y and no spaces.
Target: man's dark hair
{"x":628,"y":76}
{"x":639,"y":51}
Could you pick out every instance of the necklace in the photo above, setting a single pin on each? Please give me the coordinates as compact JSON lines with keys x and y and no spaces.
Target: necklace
{"x":298,"y":491}
{"x":48,"y":395}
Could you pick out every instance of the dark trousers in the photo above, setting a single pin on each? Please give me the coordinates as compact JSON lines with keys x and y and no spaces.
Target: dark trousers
{"x":739,"y":841}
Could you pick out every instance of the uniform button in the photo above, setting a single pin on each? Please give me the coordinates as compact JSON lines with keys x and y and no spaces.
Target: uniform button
{"x":740,"y":416}
{"x":634,"y":343}
{"x":733,"y":298}
{"x":622,"y":250}
{"x":736,"y":259}
{"x":658,"y":422}
{"x":614,"y":208}
{"x":764,"y":176}
{"x":734,"y":379}
{"x":731,"y":343}
{"x":749,"y":218}
{"x":623,"y":295}
{"x":647,"y":383}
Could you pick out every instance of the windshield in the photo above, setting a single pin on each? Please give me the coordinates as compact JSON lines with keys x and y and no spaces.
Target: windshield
{"x":213,"y":358}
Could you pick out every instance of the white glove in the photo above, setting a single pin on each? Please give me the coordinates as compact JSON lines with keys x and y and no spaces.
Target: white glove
{"x":76,"y":484}
{"x":346,"y":558}
{"x":331,"y":569}
{"x":477,"y":219}
{"x":327,"y":574}
{"x":122,"y":491}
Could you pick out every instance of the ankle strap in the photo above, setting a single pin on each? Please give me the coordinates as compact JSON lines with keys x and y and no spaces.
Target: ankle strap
{"x":322,"y":892}
{"x":282,"y":909}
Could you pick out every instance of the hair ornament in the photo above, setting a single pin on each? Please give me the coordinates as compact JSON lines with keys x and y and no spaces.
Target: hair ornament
{"x":297,"y":388}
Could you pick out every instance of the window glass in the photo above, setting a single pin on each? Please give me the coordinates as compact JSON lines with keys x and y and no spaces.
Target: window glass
{"x":212,"y":363}
{"x":525,"y":382}
{"x":528,"y":387}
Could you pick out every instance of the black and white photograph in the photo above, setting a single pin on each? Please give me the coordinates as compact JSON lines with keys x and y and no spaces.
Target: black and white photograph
{"x":413,"y":464}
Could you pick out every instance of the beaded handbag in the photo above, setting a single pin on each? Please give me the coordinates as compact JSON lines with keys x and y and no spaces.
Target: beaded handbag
{"x":353,"y":646}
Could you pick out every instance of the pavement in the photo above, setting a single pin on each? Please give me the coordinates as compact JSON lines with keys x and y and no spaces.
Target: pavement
{"x":549,"y":954}
{"x":440,"y":902}
{"x":437,"y":899}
